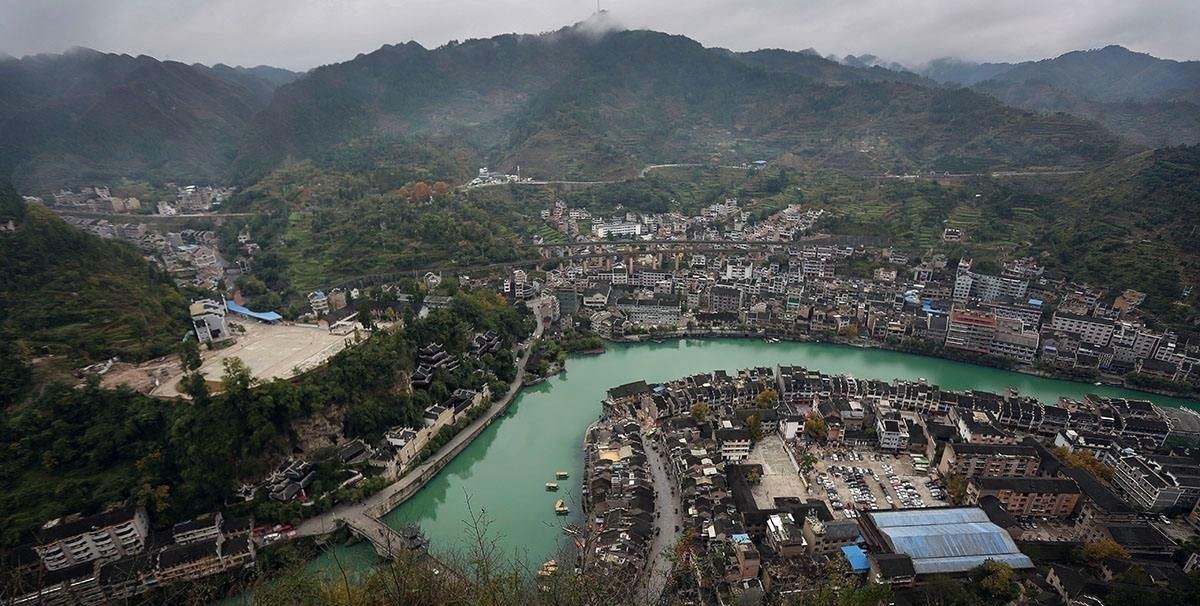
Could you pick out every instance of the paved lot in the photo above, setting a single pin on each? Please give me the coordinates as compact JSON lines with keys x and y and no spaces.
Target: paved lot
{"x":834,"y":481}
{"x":270,"y":351}
{"x":779,"y":477}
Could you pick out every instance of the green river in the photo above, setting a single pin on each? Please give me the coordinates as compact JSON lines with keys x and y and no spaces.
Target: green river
{"x":504,"y":471}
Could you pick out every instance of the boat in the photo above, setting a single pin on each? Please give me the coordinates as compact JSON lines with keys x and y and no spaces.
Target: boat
{"x":562,"y":475}
{"x":560,"y":508}
{"x":551,"y":486}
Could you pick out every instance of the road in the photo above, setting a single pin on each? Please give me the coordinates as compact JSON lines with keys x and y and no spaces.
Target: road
{"x":417,"y":476}
{"x":654,"y":577}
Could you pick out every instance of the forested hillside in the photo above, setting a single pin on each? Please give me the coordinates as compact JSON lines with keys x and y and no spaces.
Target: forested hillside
{"x":78,"y":449}
{"x":69,"y":293}
{"x":86,"y":116}
{"x":1134,"y":223}
{"x":1151,"y":101}
{"x":320,"y":227}
{"x":574,"y":105}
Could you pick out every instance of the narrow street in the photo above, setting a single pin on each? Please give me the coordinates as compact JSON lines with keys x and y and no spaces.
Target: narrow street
{"x":654,"y":578}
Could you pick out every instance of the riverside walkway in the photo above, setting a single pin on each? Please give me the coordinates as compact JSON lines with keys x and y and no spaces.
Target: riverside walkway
{"x":364,"y":515}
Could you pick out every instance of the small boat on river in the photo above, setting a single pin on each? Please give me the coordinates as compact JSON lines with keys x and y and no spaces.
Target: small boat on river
{"x":560,"y":508}
{"x":561,"y":475}
{"x":551,"y":486}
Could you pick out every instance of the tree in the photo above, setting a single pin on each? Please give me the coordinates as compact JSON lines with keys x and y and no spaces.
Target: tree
{"x":421,"y":192}
{"x":835,"y":585}
{"x":1085,"y":460}
{"x":754,"y":476}
{"x":700,"y":411}
{"x":440,"y":189}
{"x":995,"y":580}
{"x":767,"y":399}
{"x":754,"y":425}
{"x":1095,"y":552}
{"x":815,"y":427}
{"x":237,"y":378}
{"x":189,"y":354}
{"x":957,"y":486}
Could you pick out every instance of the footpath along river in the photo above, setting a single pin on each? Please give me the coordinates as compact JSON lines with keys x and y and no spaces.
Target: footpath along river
{"x":503,"y":472}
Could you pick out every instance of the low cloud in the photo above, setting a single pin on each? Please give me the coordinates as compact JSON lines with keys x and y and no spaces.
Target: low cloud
{"x":300,"y":34}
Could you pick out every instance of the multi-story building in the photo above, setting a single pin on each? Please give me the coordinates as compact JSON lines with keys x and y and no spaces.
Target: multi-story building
{"x":1147,"y":484}
{"x":1091,"y":330}
{"x":1014,"y":341}
{"x":1043,"y":497}
{"x":970,"y":285}
{"x":110,"y":535}
{"x":319,"y":302}
{"x":735,"y":443}
{"x":201,"y":528}
{"x":971,"y":331}
{"x":208,"y":320}
{"x":784,"y":536}
{"x":989,"y":460}
{"x":828,"y":538}
{"x":892,"y":431}
{"x":725,"y":299}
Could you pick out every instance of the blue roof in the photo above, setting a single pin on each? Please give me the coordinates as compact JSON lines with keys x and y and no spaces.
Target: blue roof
{"x":857,"y":558}
{"x":741,"y":538}
{"x":947,"y":540}
{"x":1035,"y":302}
{"x":265,"y":316}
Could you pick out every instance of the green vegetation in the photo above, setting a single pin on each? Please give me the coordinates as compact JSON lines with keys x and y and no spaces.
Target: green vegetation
{"x":318,"y":227}
{"x":75,"y":450}
{"x":1095,"y":552}
{"x":1086,"y":460}
{"x":68,"y":293}
{"x":815,"y":427}
{"x":84,"y":117}
{"x":577,"y":106}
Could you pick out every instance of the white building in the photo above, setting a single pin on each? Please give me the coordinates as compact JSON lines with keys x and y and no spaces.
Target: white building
{"x":892,"y":431}
{"x":105,"y":536}
{"x":1093,"y":331}
{"x":208,"y":320}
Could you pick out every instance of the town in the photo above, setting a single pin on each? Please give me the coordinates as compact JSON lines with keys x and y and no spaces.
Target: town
{"x":773,"y":474}
{"x":720,"y":273}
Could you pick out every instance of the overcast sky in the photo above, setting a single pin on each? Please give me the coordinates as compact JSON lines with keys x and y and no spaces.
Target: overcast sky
{"x":300,"y":34}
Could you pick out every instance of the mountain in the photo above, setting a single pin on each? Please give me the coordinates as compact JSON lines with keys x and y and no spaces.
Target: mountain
{"x":577,"y":104}
{"x":956,"y":71}
{"x":261,"y":80}
{"x":86,"y":116}
{"x":1133,"y":222}
{"x":1112,"y":74}
{"x":1153,"y":123}
{"x":66,"y":292}
{"x":1151,"y":101}
{"x":812,"y":66}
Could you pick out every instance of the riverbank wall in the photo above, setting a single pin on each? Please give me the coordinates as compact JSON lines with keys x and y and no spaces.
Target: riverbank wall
{"x":714,"y":333}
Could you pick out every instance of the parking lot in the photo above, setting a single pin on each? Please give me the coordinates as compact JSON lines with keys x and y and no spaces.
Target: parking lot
{"x":849,"y":481}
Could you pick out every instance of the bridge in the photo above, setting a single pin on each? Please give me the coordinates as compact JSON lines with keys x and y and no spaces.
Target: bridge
{"x":387,"y":542}
{"x":602,"y":248}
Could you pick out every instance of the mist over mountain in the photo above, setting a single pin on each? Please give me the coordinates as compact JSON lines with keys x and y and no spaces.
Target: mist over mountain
{"x":572,"y":105}
{"x":88,"y":115}
{"x":586,"y":101}
{"x":1148,"y":100}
